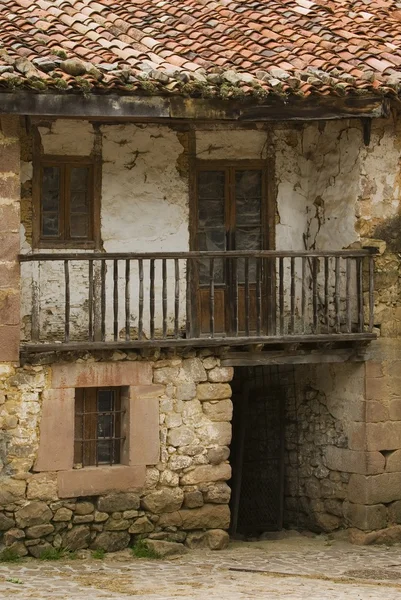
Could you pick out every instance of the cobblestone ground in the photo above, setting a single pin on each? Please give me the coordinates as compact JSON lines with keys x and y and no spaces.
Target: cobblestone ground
{"x":295,"y":569}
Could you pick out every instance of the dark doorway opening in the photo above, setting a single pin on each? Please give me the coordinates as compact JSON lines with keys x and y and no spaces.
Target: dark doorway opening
{"x":260,"y":396}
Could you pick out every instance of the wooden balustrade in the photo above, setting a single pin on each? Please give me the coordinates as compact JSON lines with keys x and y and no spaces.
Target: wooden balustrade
{"x":98,"y":300}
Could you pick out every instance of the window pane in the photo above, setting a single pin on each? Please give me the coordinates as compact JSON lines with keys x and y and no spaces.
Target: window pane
{"x":50,"y":202}
{"x":79,"y":202}
{"x":79,"y":179}
{"x":211,"y":213}
{"x":104,"y":450}
{"x":211,"y":184}
{"x":248,"y":194}
{"x":248,"y":238}
{"x":105,"y":400}
{"x":79,"y":226}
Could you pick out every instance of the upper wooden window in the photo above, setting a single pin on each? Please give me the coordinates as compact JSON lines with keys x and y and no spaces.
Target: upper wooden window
{"x":65,"y":207}
{"x":232,"y":209}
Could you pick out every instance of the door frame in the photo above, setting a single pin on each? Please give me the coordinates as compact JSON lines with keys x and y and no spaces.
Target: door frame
{"x":268,"y":221}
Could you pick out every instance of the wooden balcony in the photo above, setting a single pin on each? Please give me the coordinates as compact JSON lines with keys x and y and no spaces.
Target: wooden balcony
{"x":76,"y":301}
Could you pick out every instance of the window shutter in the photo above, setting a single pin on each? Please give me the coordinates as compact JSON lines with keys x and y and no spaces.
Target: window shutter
{"x":142,"y":425}
{"x":56,"y":442}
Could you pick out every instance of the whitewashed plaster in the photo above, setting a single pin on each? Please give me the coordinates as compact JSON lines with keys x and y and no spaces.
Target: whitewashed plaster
{"x":327,"y":181}
{"x":228,"y":144}
{"x":65,"y":136}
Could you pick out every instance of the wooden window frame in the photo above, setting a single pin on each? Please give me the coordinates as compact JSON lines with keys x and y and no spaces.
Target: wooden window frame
{"x":65,"y":163}
{"x":230,"y":166}
{"x":86,"y":447}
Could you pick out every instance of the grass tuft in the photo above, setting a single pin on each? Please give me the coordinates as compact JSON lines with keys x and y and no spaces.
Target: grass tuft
{"x":9,"y":555}
{"x":99,"y":553}
{"x":57,"y":554}
{"x":142,"y":550}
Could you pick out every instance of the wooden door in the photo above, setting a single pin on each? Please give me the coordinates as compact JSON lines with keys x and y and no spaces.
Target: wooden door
{"x":231,"y":215}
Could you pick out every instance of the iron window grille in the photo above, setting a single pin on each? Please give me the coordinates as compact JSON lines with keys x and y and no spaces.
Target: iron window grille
{"x":98,"y":431}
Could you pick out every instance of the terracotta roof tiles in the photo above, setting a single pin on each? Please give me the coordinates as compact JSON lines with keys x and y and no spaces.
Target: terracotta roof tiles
{"x":201,"y":47}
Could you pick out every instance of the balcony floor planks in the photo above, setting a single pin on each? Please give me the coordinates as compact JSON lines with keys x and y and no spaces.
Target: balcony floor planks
{"x":196,"y":342}
{"x":253,"y":359}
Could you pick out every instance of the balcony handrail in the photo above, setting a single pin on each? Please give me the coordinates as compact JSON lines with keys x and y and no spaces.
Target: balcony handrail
{"x":354,"y":253}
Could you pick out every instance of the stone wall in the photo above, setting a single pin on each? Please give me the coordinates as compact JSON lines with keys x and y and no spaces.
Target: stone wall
{"x":9,"y":238}
{"x":184,"y":497}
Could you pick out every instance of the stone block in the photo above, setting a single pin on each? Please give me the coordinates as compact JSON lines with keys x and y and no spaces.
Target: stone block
{"x":207,"y":473}
{"x":38,"y":531}
{"x":110,"y":374}
{"x":217,"y":539}
{"x":220,"y":374}
{"x":376,"y":412}
{"x":143,"y":431}
{"x":220,"y":410}
{"x":7,"y":522}
{"x":93,"y":481}
{"x":388,"y":536}
{"x":86,"y":508}
{"x":218,"y":493}
{"x":395,"y":410}
{"x":63,"y":515}
{"x":383,"y":436}
{"x":374,"y":489}
{"x":394,"y":386}
{"x":37,"y":550}
{"x":354,"y":461}
{"x":217,"y":455}
{"x":9,"y":343}
{"x":394,"y":512}
{"x":10,"y":128}
{"x":167,"y":375}
{"x":186,"y":390}
{"x":180,"y":436}
{"x":193,"y":499}
{"x":209,"y":516}
{"x":34,"y":513}
{"x":77,"y":538}
{"x":115,"y":502}
{"x":365,"y":517}
{"x":356,"y":433}
{"x":163,"y":548}
{"x":9,"y":188}
{"x":194,"y":370}
{"x":13,"y":535}
{"x":9,"y":218}
{"x":116,"y":525}
{"x":141,"y":525}
{"x":213,"y":391}
{"x":42,"y":486}
{"x":11,"y":490}
{"x":375,"y":369}
{"x":376,"y":389}
{"x":326,"y":522}
{"x":211,"y":434}
{"x":111,"y":541}
{"x":164,"y":500}
{"x":393,"y":462}
{"x":9,"y":307}
{"x":56,"y":440}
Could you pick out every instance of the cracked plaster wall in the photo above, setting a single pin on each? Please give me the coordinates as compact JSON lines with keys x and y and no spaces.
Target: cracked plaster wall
{"x":331,"y":190}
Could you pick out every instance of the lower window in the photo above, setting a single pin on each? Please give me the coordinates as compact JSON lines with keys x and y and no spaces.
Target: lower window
{"x":98,"y":417}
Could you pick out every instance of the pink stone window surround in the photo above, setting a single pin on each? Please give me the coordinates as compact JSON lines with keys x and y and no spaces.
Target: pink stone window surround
{"x":140,"y":427}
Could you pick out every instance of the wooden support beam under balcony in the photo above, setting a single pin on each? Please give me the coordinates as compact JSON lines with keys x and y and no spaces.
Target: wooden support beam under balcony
{"x":199,"y":299}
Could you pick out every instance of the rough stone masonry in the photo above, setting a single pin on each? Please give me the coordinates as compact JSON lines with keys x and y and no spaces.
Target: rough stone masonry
{"x":184,"y":496}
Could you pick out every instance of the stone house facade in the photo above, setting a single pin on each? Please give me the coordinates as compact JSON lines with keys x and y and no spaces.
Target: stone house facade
{"x":199,"y":305}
